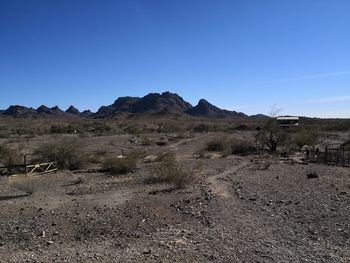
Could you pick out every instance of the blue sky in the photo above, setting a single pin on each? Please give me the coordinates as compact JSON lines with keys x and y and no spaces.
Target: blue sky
{"x":242,"y":55}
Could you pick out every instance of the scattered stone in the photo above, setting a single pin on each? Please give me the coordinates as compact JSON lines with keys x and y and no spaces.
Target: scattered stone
{"x":312,"y":175}
{"x":146,"y":251}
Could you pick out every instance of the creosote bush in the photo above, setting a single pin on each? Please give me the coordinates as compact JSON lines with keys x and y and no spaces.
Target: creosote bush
{"x":169,"y":171}
{"x":118,"y":166}
{"x":68,"y":153}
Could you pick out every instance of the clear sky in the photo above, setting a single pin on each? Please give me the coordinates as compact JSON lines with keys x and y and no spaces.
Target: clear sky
{"x":244,"y":55}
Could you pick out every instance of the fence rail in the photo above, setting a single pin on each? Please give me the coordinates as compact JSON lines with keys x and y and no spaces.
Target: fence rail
{"x":39,"y":168}
{"x":331,"y":156}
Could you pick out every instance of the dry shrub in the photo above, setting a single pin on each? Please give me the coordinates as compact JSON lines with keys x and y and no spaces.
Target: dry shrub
{"x":68,"y":153}
{"x":217,"y":145}
{"x":137,"y":154}
{"x":119,"y":165}
{"x":79,"y":180}
{"x":4,"y":153}
{"x":171,"y":172}
{"x":243,"y":148}
{"x":145,"y":141}
{"x":264,"y":165}
{"x":306,"y":137}
{"x":271,"y":136}
{"x":161,"y":143}
{"x":95,"y":159}
{"x":346,"y":145}
{"x":9,"y":156}
{"x":166,"y":156}
{"x":202,"y":127}
{"x":200,"y":153}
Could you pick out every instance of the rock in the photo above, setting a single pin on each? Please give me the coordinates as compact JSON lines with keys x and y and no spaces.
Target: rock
{"x":146,"y":251}
{"x":312,"y":175}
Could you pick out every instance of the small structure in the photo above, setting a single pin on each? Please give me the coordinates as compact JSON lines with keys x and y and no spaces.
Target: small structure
{"x":287,"y":121}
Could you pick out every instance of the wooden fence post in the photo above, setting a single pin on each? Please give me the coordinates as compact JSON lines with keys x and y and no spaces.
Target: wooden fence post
{"x":25,"y":164}
{"x":10,"y":165}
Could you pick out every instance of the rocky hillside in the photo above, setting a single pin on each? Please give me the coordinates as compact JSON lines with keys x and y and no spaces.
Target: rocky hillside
{"x":166,"y":102}
{"x":205,"y":109}
{"x":151,"y":103}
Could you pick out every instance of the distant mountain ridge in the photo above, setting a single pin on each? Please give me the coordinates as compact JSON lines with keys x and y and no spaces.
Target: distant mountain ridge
{"x":151,"y":103}
{"x":162,"y":103}
{"x":205,"y":109}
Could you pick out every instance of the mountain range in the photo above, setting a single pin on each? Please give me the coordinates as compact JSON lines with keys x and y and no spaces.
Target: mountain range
{"x":166,"y":102}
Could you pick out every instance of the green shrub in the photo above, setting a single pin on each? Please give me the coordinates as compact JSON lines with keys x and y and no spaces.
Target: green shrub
{"x":68,"y":153}
{"x":119,"y":165}
{"x":171,"y":172}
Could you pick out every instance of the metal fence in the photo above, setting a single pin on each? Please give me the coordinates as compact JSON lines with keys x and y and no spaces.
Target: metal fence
{"x":331,"y":156}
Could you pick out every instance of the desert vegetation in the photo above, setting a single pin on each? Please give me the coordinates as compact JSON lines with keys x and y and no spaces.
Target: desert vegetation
{"x":169,"y":171}
{"x":140,"y":180}
{"x":270,"y":136}
{"x":114,"y":165}
{"x":67,"y":152}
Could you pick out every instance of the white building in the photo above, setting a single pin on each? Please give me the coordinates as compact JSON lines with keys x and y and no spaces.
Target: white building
{"x":287,"y":121}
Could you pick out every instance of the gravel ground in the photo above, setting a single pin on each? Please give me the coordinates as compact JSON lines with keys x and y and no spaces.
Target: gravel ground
{"x":239,"y":209}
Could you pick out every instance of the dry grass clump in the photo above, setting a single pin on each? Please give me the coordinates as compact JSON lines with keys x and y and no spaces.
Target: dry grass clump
{"x":170,"y":172}
{"x":118,"y":166}
{"x":68,"y":153}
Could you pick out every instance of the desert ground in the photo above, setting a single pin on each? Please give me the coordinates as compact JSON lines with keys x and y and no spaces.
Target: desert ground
{"x":257,"y":207}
